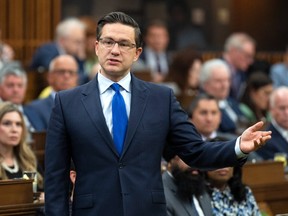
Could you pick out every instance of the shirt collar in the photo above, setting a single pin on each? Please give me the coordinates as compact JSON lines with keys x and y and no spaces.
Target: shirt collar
{"x":281,"y":130}
{"x":104,"y":83}
{"x":211,"y":136}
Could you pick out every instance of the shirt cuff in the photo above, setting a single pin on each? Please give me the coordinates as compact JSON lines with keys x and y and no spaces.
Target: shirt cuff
{"x":238,"y":151}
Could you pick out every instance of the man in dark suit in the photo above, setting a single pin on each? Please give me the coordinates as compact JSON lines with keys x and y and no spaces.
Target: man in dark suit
{"x":62,"y":75}
{"x":155,"y":57}
{"x":278,"y":125}
{"x":214,"y":80}
{"x":70,"y":40}
{"x":239,"y":52}
{"x":124,"y":180}
{"x":185,"y":189}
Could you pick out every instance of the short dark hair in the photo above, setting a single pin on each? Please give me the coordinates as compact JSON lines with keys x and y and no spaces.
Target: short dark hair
{"x":120,"y":17}
{"x":193,"y":105}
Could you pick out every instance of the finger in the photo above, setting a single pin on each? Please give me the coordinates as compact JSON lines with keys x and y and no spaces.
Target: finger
{"x":266,"y":133}
{"x":264,"y":139}
{"x":258,"y":143}
{"x":257,"y":126}
{"x":261,"y":141}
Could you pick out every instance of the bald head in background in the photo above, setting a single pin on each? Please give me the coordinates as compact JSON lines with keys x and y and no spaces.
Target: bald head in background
{"x":63,"y":73}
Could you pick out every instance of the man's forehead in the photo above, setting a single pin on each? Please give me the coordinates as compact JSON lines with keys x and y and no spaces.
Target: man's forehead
{"x":118,"y":31}
{"x":13,"y":77}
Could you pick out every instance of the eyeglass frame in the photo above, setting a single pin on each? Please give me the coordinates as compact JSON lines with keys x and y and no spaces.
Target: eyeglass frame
{"x":122,"y":47}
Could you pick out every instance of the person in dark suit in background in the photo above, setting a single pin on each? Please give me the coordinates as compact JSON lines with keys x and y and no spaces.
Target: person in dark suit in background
{"x":214,"y":80}
{"x":185,"y":190}
{"x":279,"y":124}
{"x":118,"y":172}
{"x":70,"y":40}
{"x":239,"y":52}
{"x":62,"y":75}
{"x":155,"y":55}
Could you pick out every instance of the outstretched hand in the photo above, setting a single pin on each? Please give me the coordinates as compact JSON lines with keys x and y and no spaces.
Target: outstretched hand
{"x":252,"y":138}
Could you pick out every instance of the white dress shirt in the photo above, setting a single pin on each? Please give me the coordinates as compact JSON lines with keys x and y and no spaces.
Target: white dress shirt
{"x":107,"y":93}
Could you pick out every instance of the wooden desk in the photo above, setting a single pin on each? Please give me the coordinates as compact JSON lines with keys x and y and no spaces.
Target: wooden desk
{"x":16,"y":198}
{"x":269,"y":185}
{"x":29,"y":209}
{"x":274,"y":195}
{"x":16,"y":192}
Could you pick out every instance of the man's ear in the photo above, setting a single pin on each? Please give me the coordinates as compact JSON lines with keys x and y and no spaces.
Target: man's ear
{"x":138,"y":53}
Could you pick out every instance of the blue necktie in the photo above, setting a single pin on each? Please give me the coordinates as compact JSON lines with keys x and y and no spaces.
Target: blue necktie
{"x":119,"y":118}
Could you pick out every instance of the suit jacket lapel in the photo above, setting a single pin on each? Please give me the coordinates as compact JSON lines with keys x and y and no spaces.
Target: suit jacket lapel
{"x":92,"y":103}
{"x":173,"y":187}
{"x":139,"y":94}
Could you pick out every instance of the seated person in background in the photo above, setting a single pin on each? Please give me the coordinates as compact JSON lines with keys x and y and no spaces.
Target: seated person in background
{"x":255,"y":100}
{"x":239,"y":52}
{"x":90,"y":32}
{"x":15,"y":154}
{"x":279,"y":72}
{"x":6,"y":52}
{"x":13,"y":86}
{"x":184,"y":189}
{"x":229,"y":195}
{"x":155,"y":54}
{"x":278,"y":126}
{"x":184,"y":71}
{"x":215,"y":80}
{"x":70,"y":39}
{"x":62,"y":75}
{"x":205,"y":114}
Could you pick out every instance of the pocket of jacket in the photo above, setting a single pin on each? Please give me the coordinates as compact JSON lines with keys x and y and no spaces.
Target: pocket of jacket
{"x":83,"y":201}
{"x":158,"y":197}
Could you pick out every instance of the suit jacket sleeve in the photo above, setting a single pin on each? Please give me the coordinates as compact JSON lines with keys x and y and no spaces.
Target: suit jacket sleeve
{"x":57,"y":203}
{"x":186,"y":142}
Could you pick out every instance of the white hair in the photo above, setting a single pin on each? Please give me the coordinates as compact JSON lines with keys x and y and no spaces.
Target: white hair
{"x":67,"y":26}
{"x":283,"y":90}
{"x":208,"y":67}
{"x":236,"y":40}
{"x":13,"y":68}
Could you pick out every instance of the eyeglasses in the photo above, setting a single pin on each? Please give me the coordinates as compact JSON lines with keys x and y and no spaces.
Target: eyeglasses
{"x":123,"y":45}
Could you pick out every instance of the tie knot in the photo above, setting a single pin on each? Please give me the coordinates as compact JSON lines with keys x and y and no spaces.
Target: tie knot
{"x":115,"y":87}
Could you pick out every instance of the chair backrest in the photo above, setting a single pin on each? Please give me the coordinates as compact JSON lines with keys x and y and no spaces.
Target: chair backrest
{"x":38,"y":146}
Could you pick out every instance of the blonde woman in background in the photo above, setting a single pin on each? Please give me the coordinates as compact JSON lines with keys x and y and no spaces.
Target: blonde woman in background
{"x":15,"y":154}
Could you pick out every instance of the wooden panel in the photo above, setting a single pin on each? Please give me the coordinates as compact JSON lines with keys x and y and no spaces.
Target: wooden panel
{"x":30,"y":209}
{"x":274,"y":195}
{"x":38,"y":146}
{"x":268,"y":184}
{"x":263,"y":20}
{"x":16,"y":192}
{"x":265,"y":172}
{"x":28,"y":24}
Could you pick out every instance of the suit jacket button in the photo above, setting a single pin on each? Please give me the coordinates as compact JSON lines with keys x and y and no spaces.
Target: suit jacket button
{"x":121,"y":165}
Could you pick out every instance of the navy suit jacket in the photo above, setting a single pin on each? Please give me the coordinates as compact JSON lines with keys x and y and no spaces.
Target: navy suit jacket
{"x":275,"y":145}
{"x":177,"y":206}
{"x":130,"y":184}
{"x":43,"y":56}
{"x":227,"y":125}
{"x":38,"y":113}
{"x":47,"y":52}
